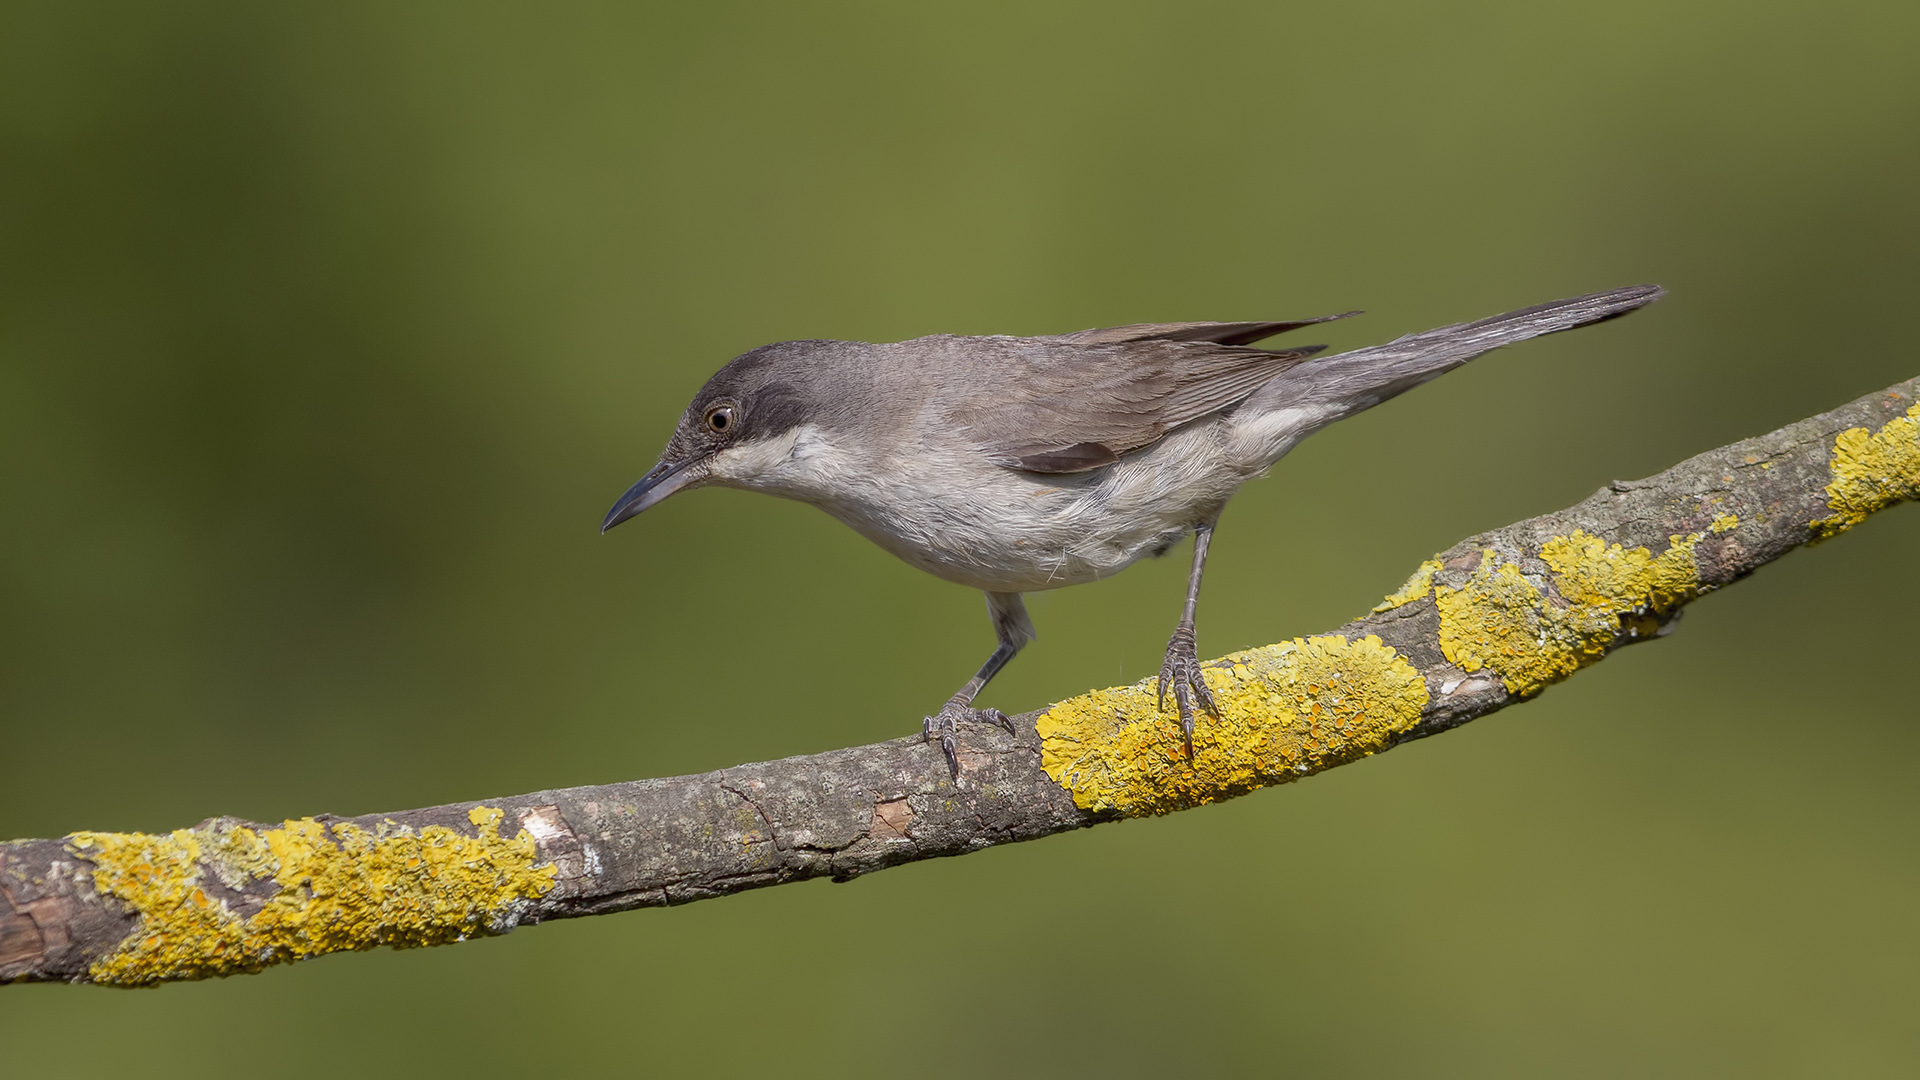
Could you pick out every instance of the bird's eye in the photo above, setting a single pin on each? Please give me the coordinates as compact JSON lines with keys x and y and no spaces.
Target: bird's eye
{"x":720,"y":419}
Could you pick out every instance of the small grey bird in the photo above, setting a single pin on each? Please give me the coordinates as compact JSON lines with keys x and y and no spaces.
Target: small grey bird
{"x":1013,"y":464}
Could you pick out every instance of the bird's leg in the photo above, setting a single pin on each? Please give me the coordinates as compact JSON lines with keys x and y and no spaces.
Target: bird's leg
{"x":1012,"y":627}
{"x":1180,"y":671}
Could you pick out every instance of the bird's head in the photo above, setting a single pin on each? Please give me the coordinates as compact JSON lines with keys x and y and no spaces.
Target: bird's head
{"x":741,"y":426}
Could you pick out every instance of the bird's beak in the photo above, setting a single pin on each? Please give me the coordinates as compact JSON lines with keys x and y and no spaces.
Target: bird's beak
{"x":661,"y":481}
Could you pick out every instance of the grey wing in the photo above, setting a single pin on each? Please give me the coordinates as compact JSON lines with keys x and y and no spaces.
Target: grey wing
{"x":1064,"y":407}
{"x":1220,"y":333}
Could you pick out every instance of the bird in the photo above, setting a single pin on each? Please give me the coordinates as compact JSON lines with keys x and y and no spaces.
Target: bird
{"x":1018,"y":464}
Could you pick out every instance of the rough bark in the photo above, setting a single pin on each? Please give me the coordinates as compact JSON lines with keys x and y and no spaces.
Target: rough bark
{"x":228,"y":896}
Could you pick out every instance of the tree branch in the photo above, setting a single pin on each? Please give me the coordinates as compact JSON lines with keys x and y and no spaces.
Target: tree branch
{"x":1488,"y":623}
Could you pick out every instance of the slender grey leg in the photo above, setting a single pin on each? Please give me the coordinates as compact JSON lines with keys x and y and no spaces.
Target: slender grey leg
{"x":1014,"y":629}
{"x":1181,"y":669}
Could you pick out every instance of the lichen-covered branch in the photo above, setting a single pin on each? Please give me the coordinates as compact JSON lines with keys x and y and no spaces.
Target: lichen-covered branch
{"x":1490,"y":622}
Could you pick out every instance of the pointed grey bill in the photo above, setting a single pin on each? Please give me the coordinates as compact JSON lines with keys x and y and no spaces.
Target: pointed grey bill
{"x":661,"y":481}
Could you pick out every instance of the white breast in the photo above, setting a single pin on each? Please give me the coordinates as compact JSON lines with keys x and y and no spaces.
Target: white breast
{"x":956,"y":515}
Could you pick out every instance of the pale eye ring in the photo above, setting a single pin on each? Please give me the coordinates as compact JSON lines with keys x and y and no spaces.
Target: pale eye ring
{"x":720,"y":419}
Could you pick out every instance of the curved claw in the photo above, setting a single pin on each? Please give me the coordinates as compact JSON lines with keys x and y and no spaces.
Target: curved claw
{"x":946,"y":723}
{"x":1181,"y":671}
{"x":995,"y":716}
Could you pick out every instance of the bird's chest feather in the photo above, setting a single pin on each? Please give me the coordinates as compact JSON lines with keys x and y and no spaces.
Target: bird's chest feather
{"x":962,"y":518}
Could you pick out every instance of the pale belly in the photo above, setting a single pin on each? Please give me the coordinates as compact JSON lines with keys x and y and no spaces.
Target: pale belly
{"x":1006,"y":531}
{"x":998,"y":553}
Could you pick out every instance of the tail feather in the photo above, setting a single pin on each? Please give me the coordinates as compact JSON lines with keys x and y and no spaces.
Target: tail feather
{"x":1342,"y":385}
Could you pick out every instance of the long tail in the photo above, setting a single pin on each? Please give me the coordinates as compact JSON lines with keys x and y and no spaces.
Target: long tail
{"x":1339,"y":386}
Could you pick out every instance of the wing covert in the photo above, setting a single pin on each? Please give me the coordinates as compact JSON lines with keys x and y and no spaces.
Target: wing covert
{"x":1062,"y":407}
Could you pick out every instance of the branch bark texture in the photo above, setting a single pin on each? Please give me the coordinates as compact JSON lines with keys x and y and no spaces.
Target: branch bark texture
{"x":1488,"y":623}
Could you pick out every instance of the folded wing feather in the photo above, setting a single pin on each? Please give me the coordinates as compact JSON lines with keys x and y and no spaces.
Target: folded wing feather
{"x":1077,"y":402}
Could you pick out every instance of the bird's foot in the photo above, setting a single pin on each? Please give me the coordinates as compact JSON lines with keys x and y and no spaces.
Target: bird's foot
{"x":946,"y":725}
{"x":1180,"y":672}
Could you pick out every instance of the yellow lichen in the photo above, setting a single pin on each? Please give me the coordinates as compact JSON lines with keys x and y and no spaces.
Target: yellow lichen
{"x":1415,"y":588}
{"x":325,"y":888}
{"x":1871,"y":472}
{"x":1599,"y":576}
{"x":1500,"y":621}
{"x":1724,"y":523}
{"x":1286,"y":710}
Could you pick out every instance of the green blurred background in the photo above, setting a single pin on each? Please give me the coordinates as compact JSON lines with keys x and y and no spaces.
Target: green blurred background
{"x":329,"y":331}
